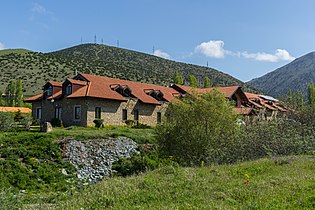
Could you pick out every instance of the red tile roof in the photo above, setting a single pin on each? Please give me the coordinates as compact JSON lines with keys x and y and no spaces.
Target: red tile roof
{"x":57,"y":84}
{"x":15,"y":109}
{"x":101,"y":87}
{"x":243,"y":110}
{"x":228,"y":91}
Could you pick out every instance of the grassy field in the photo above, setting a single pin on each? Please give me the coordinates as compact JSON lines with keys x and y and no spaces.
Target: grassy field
{"x":274,"y":183}
{"x":31,"y":178}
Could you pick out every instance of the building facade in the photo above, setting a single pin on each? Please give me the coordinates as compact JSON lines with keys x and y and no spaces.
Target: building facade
{"x":81,"y":100}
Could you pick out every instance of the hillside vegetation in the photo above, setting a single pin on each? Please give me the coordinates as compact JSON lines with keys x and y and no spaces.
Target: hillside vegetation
{"x":279,"y":183}
{"x":295,"y":76}
{"x":35,"y":68}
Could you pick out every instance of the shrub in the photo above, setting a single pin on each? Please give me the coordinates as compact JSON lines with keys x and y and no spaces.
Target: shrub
{"x":200,"y":128}
{"x":55,"y":122}
{"x":140,"y":162}
{"x":140,"y":126}
{"x":7,"y":121}
{"x":98,"y":123}
{"x":130,"y":122}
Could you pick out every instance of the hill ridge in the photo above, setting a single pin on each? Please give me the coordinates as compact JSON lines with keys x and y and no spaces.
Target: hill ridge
{"x":34,"y":68}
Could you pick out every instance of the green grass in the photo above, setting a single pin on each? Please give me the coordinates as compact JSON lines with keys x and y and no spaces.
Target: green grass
{"x":284,"y":183}
{"x":31,"y":163}
{"x":146,"y":135}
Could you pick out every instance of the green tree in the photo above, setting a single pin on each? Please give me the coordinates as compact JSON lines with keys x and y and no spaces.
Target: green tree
{"x":311,"y":94}
{"x":19,"y":93}
{"x":178,"y":79}
{"x":199,"y":128}
{"x":207,"y":82}
{"x":192,"y":81}
{"x":12,"y":90}
{"x":1,"y":99}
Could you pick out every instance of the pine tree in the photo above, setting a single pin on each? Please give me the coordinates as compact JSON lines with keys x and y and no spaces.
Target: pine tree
{"x":178,"y":79}
{"x":290,"y":97}
{"x":192,"y":81}
{"x":11,"y":93}
{"x":19,"y":93}
{"x":207,"y":82}
{"x":1,"y":99}
{"x":311,"y":94}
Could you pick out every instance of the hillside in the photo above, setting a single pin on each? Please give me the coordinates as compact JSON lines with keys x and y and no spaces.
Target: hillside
{"x":35,"y":68}
{"x":295,"y":76}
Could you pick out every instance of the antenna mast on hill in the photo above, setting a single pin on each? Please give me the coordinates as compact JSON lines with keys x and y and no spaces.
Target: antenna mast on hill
{"x":118,"y":43}
{"x":81,"y":39}
{"x":102,"y":41}
{"x":153,"y":50}
{"x":94,"y":39}
{"x":207,"y":64}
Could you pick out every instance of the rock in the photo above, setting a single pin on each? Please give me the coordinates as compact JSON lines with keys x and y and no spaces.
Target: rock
{"x":46,"y":127}
{"x":64,"y":172}
{"x":93,"y":159}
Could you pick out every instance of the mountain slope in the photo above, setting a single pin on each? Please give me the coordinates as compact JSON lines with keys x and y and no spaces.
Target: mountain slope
{"x":295,"y":76}
{"x":35,"y":68}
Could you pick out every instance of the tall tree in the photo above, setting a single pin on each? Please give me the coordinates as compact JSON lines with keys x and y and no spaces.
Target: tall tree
{"x":1,"y":99}
{"x":207,"y":82}
{"x":19,"y":93}
{"x":311,"y":94}
{"x":192,"y":81}
{"x":178,"y":79}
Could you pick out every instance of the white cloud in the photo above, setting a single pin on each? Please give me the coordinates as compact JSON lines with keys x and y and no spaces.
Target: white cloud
{"x":161,"y":54}
{"x":212,"y":49}
{"x":279,"y":55}
{"x":2,"y":47}
{"x":39,"y":9}
{"x":215,"y":49}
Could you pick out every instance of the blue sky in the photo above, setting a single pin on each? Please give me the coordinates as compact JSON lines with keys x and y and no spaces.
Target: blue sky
{"x":244,"y":38}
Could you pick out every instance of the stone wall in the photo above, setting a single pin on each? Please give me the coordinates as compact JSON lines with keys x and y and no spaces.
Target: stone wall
{"x":111,"y":111}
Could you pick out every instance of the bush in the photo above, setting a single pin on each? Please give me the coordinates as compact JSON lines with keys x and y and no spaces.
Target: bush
{"x":140,"y":162}
{"x":55,"y":122}
{"x":140,"y":126}
{"x":7,"y":122}
{"x":98,"y":123}
{"x":200,"y":128}
{"x":130,"y":123}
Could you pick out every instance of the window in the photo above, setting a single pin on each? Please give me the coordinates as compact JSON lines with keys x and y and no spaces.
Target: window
{"x":136,"y":114}
{"x":77,"y":112}
{"x":124,"y":114}
{"x":39,"y":113}
{"x":58,"y":112}
{"x":159,"y":117}
{"x":98,"y":113}
{"x":68,"y":89}
{"x":49,"y":91}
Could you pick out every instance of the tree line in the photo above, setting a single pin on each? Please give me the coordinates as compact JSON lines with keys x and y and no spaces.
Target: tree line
{"x":13,"y":94}
{"x":178,"y":79}
{"x":296,"y":99}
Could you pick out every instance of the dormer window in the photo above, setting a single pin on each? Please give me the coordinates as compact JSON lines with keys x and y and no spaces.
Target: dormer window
{"x":49,"y":91}
{"x":157,"y":94}
{"x":68,"y":89}
{"x":123,"y":90}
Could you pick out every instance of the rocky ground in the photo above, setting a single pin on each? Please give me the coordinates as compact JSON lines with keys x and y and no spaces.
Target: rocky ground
{"x":93,"y":159}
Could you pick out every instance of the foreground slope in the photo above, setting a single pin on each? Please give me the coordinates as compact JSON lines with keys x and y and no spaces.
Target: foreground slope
{"x":295,"y":76}
{"x":35,"y":68}
{"x":278,"y":183}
